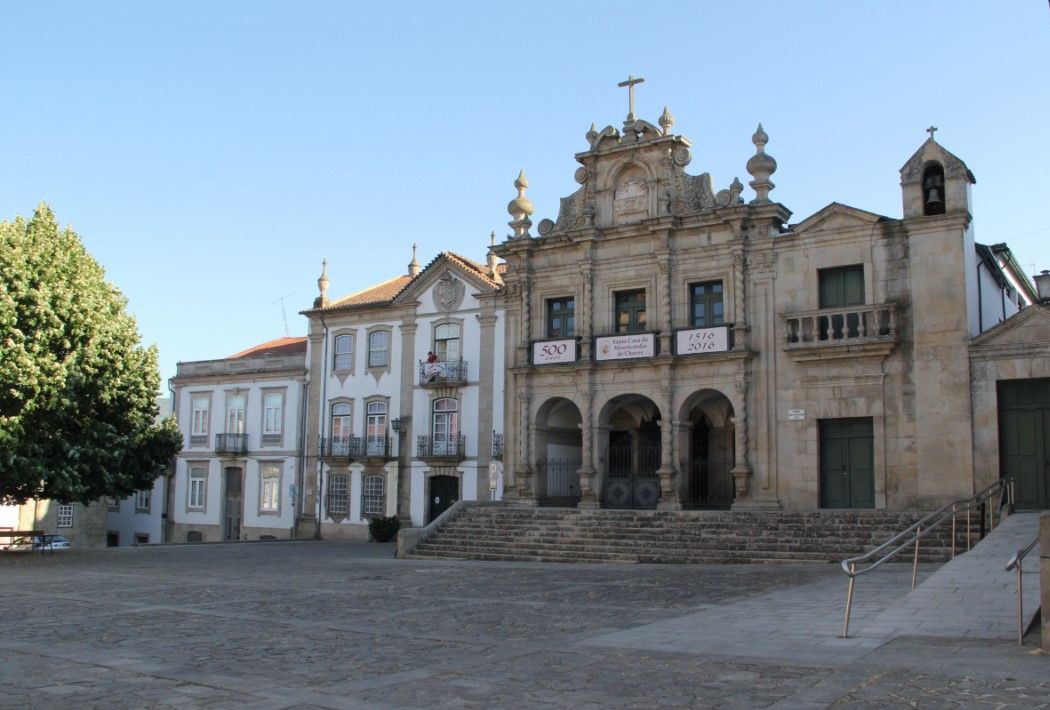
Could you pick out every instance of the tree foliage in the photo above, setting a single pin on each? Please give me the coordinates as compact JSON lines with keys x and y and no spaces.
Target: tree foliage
{"x":77,"y":392}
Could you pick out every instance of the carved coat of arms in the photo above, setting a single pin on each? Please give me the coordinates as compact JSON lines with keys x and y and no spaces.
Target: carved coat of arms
{"x":449,"y":292}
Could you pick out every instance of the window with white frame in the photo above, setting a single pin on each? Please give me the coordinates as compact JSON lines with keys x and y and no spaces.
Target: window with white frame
{"x":338,"y":487}
{"x":378,"y":348}
{"x":198,"y":488}
{"x":340,"y":444}
{"x":235,"y":404}
{"x":447,"y":342}
{"x":273,"y":415}
{"x":270,"y":488}
{"x":199,"y":418}
{"x":375,"y":431}
{"x":344,"y":352}
{"x":373,"y":499}
{"x":64,"y":516}
{"x":113,"y":504}
{"x":142,"y":500}
{"x":445,"y":426}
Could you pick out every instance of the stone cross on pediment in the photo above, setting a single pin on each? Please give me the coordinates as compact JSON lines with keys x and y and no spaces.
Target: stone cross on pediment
{"x":631,"y":81}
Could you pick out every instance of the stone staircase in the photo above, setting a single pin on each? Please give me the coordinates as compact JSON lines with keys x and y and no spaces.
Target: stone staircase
{"x":502,"y":532}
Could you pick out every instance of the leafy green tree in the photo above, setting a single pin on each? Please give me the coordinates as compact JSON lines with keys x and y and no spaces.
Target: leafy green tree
{"x":77,"y":392}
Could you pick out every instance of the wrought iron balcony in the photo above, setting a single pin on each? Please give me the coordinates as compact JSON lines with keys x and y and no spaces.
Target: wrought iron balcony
{"x":231,"y":443}
{"x":850,"y":330}
{"x":497,"y":446}
{"x":338,"y":447}
{"x":443,"y":373}
{"x":373,"y":447}
{"x":441,"y":447}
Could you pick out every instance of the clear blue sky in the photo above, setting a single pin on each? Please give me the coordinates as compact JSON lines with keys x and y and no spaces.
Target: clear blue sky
{"x":211,"y":153}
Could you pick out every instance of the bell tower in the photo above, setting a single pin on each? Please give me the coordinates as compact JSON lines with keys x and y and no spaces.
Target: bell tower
{"x":935,"y":182}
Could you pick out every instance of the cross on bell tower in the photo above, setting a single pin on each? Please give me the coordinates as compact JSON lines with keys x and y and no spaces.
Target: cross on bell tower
{"x":631,"y":81}
{"x":931,"y":130}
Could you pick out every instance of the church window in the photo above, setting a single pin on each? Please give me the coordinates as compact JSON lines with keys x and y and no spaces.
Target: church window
{"x":344,"y":353}
{"x":841,"y":287}
{"x":561,"y":317}
{"x":447,"y":342}
{"x":372,"y":503}
{"x":337,"y":494}
{"x":705,"y":304}
{"x":933,"y":190}
{"x":379,"y":348}
{"x":630,"y":311}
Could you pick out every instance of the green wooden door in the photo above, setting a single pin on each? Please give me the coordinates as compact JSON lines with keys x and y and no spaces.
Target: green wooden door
{"x":1024,"y":439}
{"x":847,"y":463}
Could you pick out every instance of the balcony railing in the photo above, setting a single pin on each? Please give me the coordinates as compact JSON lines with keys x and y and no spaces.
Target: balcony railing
{"x":359,"y":447}
{"x":853,"y":325}
{"x":497,"y":446}
{"x":231,"y":443}
{"x":441,"y":447}
{"x":440,"y":373}
{"x":373,"y":447}
{"x":338,"y":447}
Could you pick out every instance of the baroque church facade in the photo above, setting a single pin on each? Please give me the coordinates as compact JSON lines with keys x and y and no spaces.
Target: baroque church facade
{"x":672,"y":345}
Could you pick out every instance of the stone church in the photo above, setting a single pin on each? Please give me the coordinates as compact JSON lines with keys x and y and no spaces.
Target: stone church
{"x":674,"y":344}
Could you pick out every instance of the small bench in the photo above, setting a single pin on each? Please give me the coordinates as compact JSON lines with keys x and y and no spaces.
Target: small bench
{"x":27,"y":537}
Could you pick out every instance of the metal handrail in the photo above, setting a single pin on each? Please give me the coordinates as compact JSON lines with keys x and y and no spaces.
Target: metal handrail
{"x":1015,"y":563}
{"x":911,"y":535}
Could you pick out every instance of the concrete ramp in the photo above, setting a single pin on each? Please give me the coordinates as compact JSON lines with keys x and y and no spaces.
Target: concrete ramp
{"x":972,"y":595}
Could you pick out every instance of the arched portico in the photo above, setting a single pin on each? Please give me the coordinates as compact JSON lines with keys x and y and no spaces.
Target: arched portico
{"x":630,"y":445}
{"x":559,"y":452}
{"x":708,"y":451}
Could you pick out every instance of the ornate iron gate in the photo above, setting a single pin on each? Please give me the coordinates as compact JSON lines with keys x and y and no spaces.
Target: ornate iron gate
{"x":631,"y":480}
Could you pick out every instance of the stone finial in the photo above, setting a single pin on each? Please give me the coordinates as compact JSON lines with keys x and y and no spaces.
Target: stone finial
{"x":666,"y":121}
{"x":493,"y":260}
{"x":592,"y":135}
{"x":322,"y":285}
{"x":520,"y":208}
{"x":761,"y":166}
{"x":413,"y":266}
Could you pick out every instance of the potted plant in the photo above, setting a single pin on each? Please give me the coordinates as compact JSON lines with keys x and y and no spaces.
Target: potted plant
{"x":383,"y":529}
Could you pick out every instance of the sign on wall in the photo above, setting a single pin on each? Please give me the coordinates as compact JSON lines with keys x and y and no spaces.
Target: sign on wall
{"x":702,"y":340}
{"x":621,"y":347}
{"x":548,"y":352}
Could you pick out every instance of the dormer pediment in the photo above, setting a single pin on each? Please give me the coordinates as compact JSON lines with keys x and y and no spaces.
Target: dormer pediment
{"x":838,"y":217}
{"x":1028,"y":328}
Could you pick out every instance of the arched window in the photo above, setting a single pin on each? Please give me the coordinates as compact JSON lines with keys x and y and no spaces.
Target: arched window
{"x":447,"y":342}
{"x":373,"y":498}
{"x":337,"y":494}
{"x":933,"y":189}
{"x":445,"y":426}
{"x":376,"y":429}
{"x":344,"y":353}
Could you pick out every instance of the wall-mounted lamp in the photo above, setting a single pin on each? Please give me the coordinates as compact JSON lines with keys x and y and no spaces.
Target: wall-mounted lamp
{"x":396,"y":424}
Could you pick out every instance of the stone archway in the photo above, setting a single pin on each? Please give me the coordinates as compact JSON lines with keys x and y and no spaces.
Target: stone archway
{"x":559,"y":450}
{"x":708,"y":451}
{"x":630,"y":426}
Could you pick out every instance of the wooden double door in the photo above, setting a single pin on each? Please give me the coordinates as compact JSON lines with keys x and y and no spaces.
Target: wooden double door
{"x":847,"y":463}
{"x":1024,"y":440}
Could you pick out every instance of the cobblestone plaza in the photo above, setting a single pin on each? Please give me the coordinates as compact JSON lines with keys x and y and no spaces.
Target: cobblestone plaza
{"x":344,"y":625}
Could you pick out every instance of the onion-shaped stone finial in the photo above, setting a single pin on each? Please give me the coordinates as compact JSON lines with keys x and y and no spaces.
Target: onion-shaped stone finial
{"x":666,"y":120}
{"x":761,"y":166}
{"x":520,"y":208}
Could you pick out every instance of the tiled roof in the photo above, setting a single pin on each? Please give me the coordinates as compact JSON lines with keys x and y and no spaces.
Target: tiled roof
{"x":380,"y":293}
{"x":278,"y":346}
